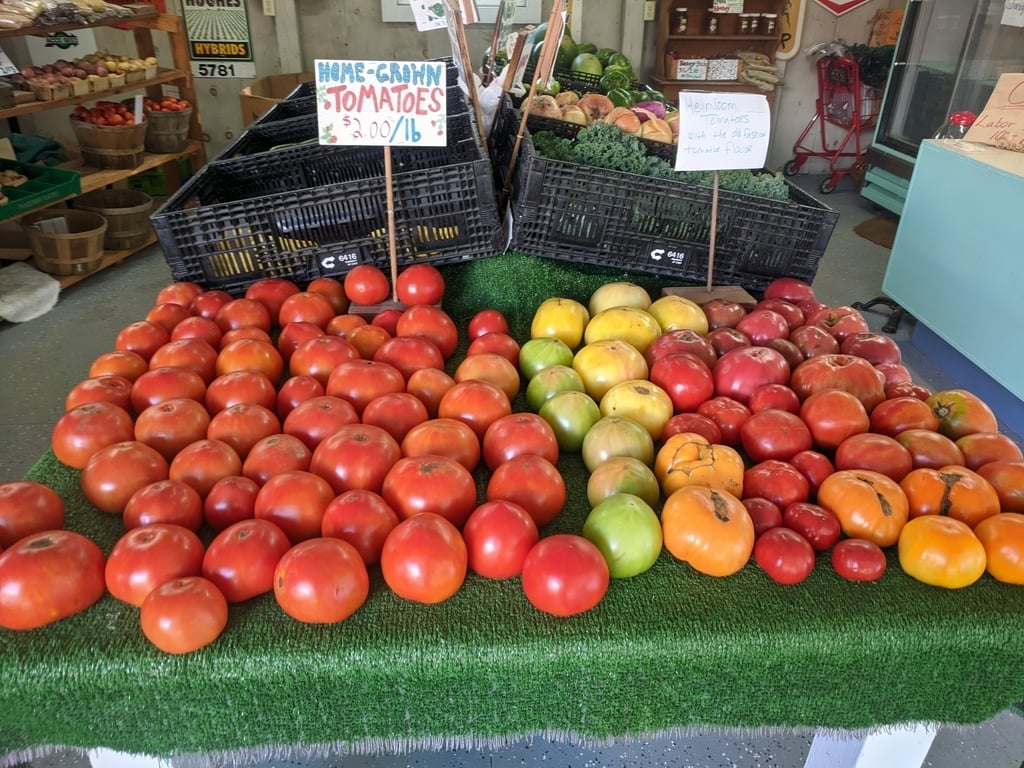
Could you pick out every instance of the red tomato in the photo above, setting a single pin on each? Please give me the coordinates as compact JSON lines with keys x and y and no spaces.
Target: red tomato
{"x":979,"y":448}
{"x":499,"y":534}
{"x":114,"y":473}
{"x":245,"y":333}
{"x":387,"y":319}
{"x":832,"y":416}
{"x":294,"y":500}
{"x":685,"y":378}
{"x":142,"y":337}
{"x":367,"y":339}
{"x":355,"y":456}
{"x":321,"y":581}
{"x":517,"y":434}
{"x":242,"y":558}
{"x":240,"y":387}
{"x":120,"y":362}
{"x":879,"y":453}
{"x":898,"y":414}
{"x":778,"y":481}
{"x":168,"y":383}
{"x":728,"y":415}
{"x":429,"y":385}
{"x":679,"y":341}
{"x":432,"y":322}
{"x":859,"y":560}
{"x":814,"y":466}
{"x":230,"y":500}
{"x":183,"y":293}
{"x":564,"y":575}
{"x":477,"y":403}
{"x":774,"y":434}
{"x":242,"y":426}
{"x":438,"y":484}
{"x":243,"y":313}
{"x":363,"y":519}
{"x":183,"y":615}
{"x":319,"y":417}
{"x":774,"y":396}
{"x":333,"y":290}
{"x":785,"y":555}
{"x":172,"y":425}
{"x":28,"y":507}
{"x":306,"y":307}
{"x":196,"y":327}
{"x":764,"y":514}
{"x":409,"y":354}
{"x":85,"y":429}
{"x":294,"y":391}
{"x":929,"y":448}
{"x":444,"y":437}
{"x":203,"y":463}
{"x":251,"y":355}
{"x":498,"y":344}
{"x":146,"y":557}
{"x":275,"y":454}
{"x":195,"y":354}
{"x":396,"y":413}
{"x":294,"y":335}
{"x":366,"y":284}
{"x":961,"y":412}
{"x":486,"y":321}
{"x":165,"y":501}
{"x":271,"y":293}
{"x":531,"y":481}
{"x":419,"y":284}
{"x":343,"y":324}
{"x":491,"y":368}
{"x":424,"y":559}
{"x":818,"y":525}
{"x":740,"y":371}
{"x":692,"y":422}
{"x":107,"y":388}
{"x":853,"y":374}
{"x":321,"y":355}
{"x":359,"y":381}
{"x":48,"y":576}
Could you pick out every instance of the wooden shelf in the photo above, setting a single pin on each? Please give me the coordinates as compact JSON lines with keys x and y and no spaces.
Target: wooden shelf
{"x":142,"y":13}
{"x":730,"y":38}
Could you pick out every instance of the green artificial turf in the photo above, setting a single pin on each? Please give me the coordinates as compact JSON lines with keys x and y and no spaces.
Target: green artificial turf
{"x":667,"y":651}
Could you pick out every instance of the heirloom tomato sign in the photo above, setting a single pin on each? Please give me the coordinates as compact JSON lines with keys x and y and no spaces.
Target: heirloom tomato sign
{"x":382,"y":102}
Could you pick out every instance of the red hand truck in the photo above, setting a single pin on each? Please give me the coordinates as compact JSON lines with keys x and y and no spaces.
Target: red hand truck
{"x":842,"y":101}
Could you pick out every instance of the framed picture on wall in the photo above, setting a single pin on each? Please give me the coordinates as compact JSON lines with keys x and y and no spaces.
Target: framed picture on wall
{"x":527,"y":11}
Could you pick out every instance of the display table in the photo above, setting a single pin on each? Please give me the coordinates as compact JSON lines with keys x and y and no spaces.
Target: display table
{"x":956,"y":266}
{"x":667,"y":652}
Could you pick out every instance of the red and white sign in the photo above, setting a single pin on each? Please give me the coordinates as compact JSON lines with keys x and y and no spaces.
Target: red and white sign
{"x":839,"y":7}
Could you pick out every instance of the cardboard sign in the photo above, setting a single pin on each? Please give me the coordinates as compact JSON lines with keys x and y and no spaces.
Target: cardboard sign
{"x":1001,"y":123}
{"x":381,"y":102}
{"x":722,"y":131}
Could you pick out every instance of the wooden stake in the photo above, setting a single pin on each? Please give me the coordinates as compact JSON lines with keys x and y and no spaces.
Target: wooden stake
{"x":457,"y":31}
{"x":392,"y":241}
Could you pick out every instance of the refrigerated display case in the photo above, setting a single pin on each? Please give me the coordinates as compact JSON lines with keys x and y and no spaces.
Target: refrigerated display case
{"x":949,"y":55}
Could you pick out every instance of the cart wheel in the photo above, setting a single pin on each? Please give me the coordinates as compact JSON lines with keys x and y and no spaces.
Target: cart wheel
{"x":827,"y":186}
{"x":791,"y":168}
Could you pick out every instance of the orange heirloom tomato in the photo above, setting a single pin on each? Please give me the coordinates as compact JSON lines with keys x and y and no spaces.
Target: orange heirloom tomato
{"x":1007,"y":477}
{"x":709,"y":529}
{"x":941,"y":551}
{"x":953,"y":490}
{"x":687,"y":458}
{"x":1002,"y":536}
{"x":869,"y":505}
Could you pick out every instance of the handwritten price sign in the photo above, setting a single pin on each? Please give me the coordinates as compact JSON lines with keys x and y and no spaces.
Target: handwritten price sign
{"x":721,"y":131}
{"x":381,"y":103}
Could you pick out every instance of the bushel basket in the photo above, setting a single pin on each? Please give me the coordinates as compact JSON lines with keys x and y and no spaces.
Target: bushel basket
{"x":76,"y":251}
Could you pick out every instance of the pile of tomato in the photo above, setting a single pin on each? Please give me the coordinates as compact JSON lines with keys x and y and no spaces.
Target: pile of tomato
{"x":290,"y":440}
{"x":110,"y":113}
{"x":165,"y":104}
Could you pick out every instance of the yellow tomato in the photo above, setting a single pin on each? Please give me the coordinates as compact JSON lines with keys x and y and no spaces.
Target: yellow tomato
{"x":629,"y":324}
{"x":603,"y":364}
{"x":614,"y":436}
{"x":941,"y":551}
{"x":687,"y":458}
{"x":618,"y":294}
{"x":560,"y":318}
{"x":678,"y":312}
{"x":709,"y":529}
{"x":1002,"y":536}
{"x":640,"y":400}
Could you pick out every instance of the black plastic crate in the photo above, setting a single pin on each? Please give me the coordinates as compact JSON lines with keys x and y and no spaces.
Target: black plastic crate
{"x":262,"y":137}
{"x":286,"y":108}
{"x":236,"y":221}
{"x":577,"y":213}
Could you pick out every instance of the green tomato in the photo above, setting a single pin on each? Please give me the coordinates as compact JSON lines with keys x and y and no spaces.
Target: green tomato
{"x":549,"y":382}
{"x":627,"y":531}
{"x":542,"y":352}
{"x":571,"y":414}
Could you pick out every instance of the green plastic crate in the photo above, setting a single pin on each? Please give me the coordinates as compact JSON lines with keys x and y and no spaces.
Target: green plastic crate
{"x":154,"y":181}
{"x":44,"y":186}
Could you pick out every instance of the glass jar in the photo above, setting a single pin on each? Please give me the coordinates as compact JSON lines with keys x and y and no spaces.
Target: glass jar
{"x":754,"y":24}
{"x":679,"y":22}
{"x":744,"y":23}
{"x":769,"y":23}
{"x":711,"y":22}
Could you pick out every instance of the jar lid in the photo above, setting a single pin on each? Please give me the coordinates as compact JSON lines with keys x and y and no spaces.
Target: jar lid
{"x":963,"y":117}
{"x":767,"y":15}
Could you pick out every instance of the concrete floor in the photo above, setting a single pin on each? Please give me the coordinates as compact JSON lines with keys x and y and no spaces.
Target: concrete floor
{"x":40,"y":360}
